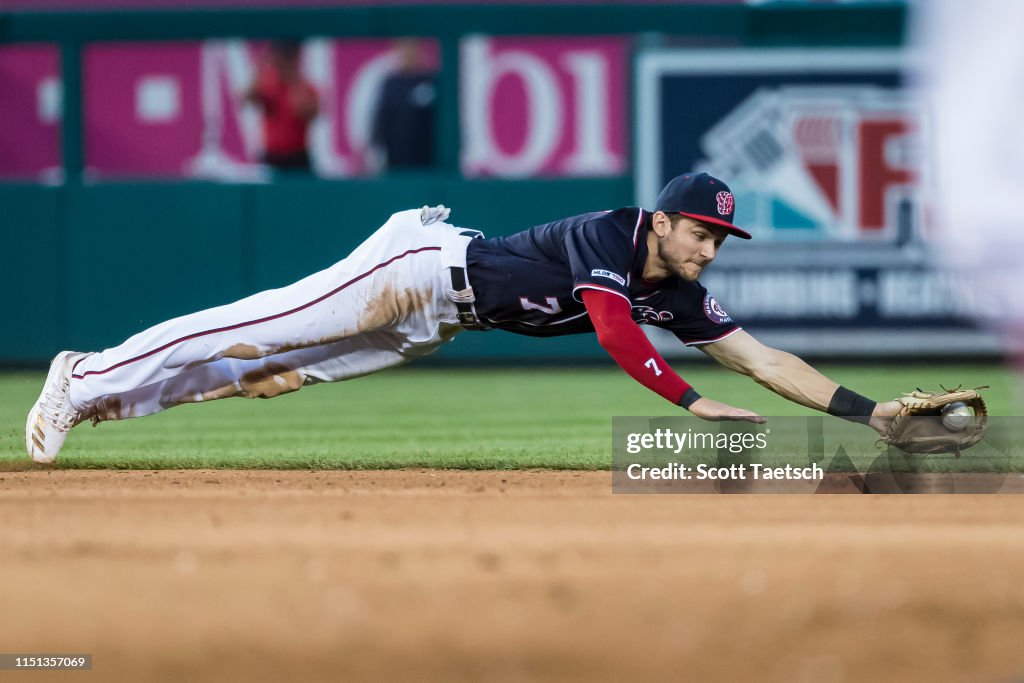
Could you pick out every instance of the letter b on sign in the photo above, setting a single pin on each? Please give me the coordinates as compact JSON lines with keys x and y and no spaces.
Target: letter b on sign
{"x":543,"y":106}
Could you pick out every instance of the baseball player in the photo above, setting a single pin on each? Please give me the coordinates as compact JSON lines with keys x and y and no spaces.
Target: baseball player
{"x":418,"y":281}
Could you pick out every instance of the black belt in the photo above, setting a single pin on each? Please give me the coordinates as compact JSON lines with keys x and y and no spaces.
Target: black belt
{"x":466,"y":314}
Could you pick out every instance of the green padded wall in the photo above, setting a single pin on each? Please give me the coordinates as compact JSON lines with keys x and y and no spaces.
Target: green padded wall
{"x":87,"y":266}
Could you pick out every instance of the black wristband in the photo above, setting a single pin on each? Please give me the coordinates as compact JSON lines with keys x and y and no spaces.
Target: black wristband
{"x":850,"y":405}
{"x":688,"y":398}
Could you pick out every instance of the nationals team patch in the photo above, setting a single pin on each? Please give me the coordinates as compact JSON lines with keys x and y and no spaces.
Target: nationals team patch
{"x":726,"y":203}
{"x":714,"y":312}
{"x":597,"y":272}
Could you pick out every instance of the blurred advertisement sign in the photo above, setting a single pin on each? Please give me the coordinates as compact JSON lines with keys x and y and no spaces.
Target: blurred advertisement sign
{"x":142,"y":112}
{"x":529,"y":107}
{"x":823,"y":151}
{"x":820,"y":161}
{"x":552,"y":106}
{"x":175,"y":109}
{"x":815,"y":144}
{"x":30,"y":99}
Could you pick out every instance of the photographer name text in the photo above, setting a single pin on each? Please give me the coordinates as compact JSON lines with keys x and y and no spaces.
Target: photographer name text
{"x":701,"y":472}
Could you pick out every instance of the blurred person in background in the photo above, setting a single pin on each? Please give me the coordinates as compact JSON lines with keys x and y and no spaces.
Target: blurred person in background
{"x":973,"y":71}
{"x":288,"y":102}
{"x":402,"y":136}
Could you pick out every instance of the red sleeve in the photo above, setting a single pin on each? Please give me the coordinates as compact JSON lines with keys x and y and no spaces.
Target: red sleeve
{"x":628,"y":345}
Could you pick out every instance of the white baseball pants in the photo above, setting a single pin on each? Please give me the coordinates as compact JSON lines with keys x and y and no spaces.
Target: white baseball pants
{"x":385,"y":304}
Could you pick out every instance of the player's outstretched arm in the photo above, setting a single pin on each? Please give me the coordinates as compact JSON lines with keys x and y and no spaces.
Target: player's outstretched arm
{"x":782,"y":372}
{"x":628,"y":345}
{"x":795,"y":380}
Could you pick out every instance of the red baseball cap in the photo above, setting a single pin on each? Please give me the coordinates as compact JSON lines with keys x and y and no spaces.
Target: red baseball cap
{"x":703,"y":198}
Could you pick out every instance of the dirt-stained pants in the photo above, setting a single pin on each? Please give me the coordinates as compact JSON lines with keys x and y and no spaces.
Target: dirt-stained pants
{"x":385,"y":304}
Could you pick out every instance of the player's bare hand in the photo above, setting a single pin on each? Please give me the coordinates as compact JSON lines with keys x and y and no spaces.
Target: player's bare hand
{"x":882,"y":416}
{"x":708,"y":409}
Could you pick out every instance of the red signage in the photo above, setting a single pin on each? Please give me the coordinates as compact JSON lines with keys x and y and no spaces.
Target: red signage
{"x":30,"y":99}
{"x":552,"y":106}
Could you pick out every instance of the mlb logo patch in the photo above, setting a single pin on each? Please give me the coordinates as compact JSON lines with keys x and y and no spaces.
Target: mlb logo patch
{"x":598,"y":272}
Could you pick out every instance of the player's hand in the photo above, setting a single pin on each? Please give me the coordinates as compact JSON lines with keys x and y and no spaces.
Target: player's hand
{"x":882,"y":416}
{"x":707,"y":409}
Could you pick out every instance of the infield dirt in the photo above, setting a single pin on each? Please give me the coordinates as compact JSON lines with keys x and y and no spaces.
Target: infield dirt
{"x":501,"y":576}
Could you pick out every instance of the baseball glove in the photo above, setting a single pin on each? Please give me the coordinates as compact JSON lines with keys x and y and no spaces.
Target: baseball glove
{"x":918,"y":428}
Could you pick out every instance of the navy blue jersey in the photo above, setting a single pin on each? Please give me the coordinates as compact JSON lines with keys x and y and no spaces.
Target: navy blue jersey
{"x":530,"y":283}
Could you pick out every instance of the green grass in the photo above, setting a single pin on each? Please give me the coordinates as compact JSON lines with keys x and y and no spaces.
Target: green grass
{"x":478,"y":419}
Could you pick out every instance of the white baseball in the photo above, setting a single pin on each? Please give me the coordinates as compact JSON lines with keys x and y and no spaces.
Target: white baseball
{"x":956,"y":416}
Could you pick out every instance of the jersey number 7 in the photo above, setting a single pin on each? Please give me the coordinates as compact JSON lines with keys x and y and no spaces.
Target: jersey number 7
{"x":653,"y":366}
{"x":551,"y":309}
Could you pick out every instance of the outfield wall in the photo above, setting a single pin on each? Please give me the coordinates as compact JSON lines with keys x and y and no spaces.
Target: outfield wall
{"x":131,"y":255}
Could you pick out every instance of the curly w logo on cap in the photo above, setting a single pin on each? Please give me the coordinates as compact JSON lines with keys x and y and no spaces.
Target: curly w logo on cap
{"x":725,"y":203}
{"x":701,"y":197}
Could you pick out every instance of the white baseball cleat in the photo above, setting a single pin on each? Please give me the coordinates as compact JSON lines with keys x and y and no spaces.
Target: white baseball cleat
{"x":53,"y":415}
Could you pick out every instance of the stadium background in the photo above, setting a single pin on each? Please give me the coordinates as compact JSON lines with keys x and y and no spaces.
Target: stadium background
{"x":134,"y":172}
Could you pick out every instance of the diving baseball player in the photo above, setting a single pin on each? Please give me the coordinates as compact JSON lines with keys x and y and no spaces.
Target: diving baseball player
{"x":418,"y":281}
